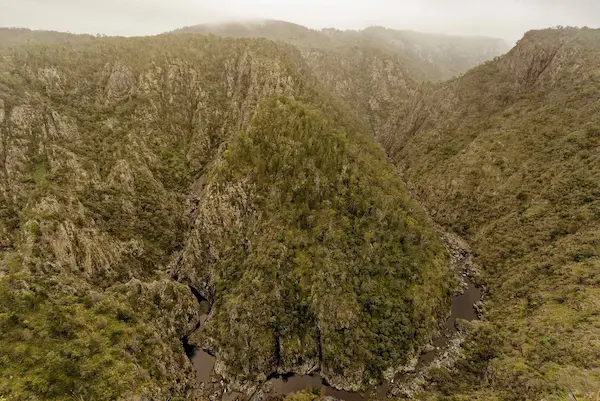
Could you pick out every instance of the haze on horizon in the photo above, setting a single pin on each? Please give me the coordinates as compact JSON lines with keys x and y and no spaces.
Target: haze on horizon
{"x":507,"y":19}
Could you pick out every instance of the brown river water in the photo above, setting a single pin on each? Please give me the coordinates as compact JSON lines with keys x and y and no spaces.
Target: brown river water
{"x":202,"y":361}
{"x":462,"y":308}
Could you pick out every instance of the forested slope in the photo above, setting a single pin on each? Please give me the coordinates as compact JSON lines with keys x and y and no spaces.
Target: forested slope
{"x":508,"y":157}
{"x":131,"y":169}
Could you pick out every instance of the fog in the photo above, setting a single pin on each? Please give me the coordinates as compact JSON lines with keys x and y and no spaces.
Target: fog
{"x":508,"y":19}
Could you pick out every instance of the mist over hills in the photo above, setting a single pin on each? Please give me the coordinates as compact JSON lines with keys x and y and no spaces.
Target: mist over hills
{"x":427,"y":56}
{"x":306,"y":183}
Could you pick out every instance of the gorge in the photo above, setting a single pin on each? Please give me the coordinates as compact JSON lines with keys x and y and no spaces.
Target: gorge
{"x":246,"y":211}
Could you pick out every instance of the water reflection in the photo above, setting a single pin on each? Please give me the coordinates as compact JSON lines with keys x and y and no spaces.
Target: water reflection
{"x":290,"y":384}
{"x":462,"y":308}
{"x":202,"y":361}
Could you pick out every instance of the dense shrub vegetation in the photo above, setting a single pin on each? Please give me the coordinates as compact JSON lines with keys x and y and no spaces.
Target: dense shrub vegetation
{"x":317,"y":256}
{"x":118,"y":154}
{"x":511,"y":162}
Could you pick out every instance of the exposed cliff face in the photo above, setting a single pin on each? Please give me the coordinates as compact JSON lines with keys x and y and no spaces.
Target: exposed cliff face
{"x":125,"y":162}
{"x":542,"y":58}
{"x":115,"y":141}
{"x":374,"y":84}
{"x":507,"y":156}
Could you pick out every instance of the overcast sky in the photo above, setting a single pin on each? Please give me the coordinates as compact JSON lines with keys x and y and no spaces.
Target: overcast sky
{"x":508,"y":19}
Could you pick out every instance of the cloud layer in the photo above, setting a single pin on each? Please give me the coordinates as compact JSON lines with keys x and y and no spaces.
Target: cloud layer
{"x":508,"y":18}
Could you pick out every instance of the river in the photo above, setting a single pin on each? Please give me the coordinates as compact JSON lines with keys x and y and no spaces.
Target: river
{"x":462,"y":308}
{"x":202,"y":361}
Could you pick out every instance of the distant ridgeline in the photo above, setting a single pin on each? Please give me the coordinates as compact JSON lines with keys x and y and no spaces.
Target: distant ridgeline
{"x":424,"y":56}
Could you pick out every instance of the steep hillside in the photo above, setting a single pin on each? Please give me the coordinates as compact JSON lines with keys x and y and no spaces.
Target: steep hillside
{"x":508,"y":156}
{"x":316,"y":256}
{"x":138,"y":174}
{"x":132,"y":169}
{"x":425,"y":56}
